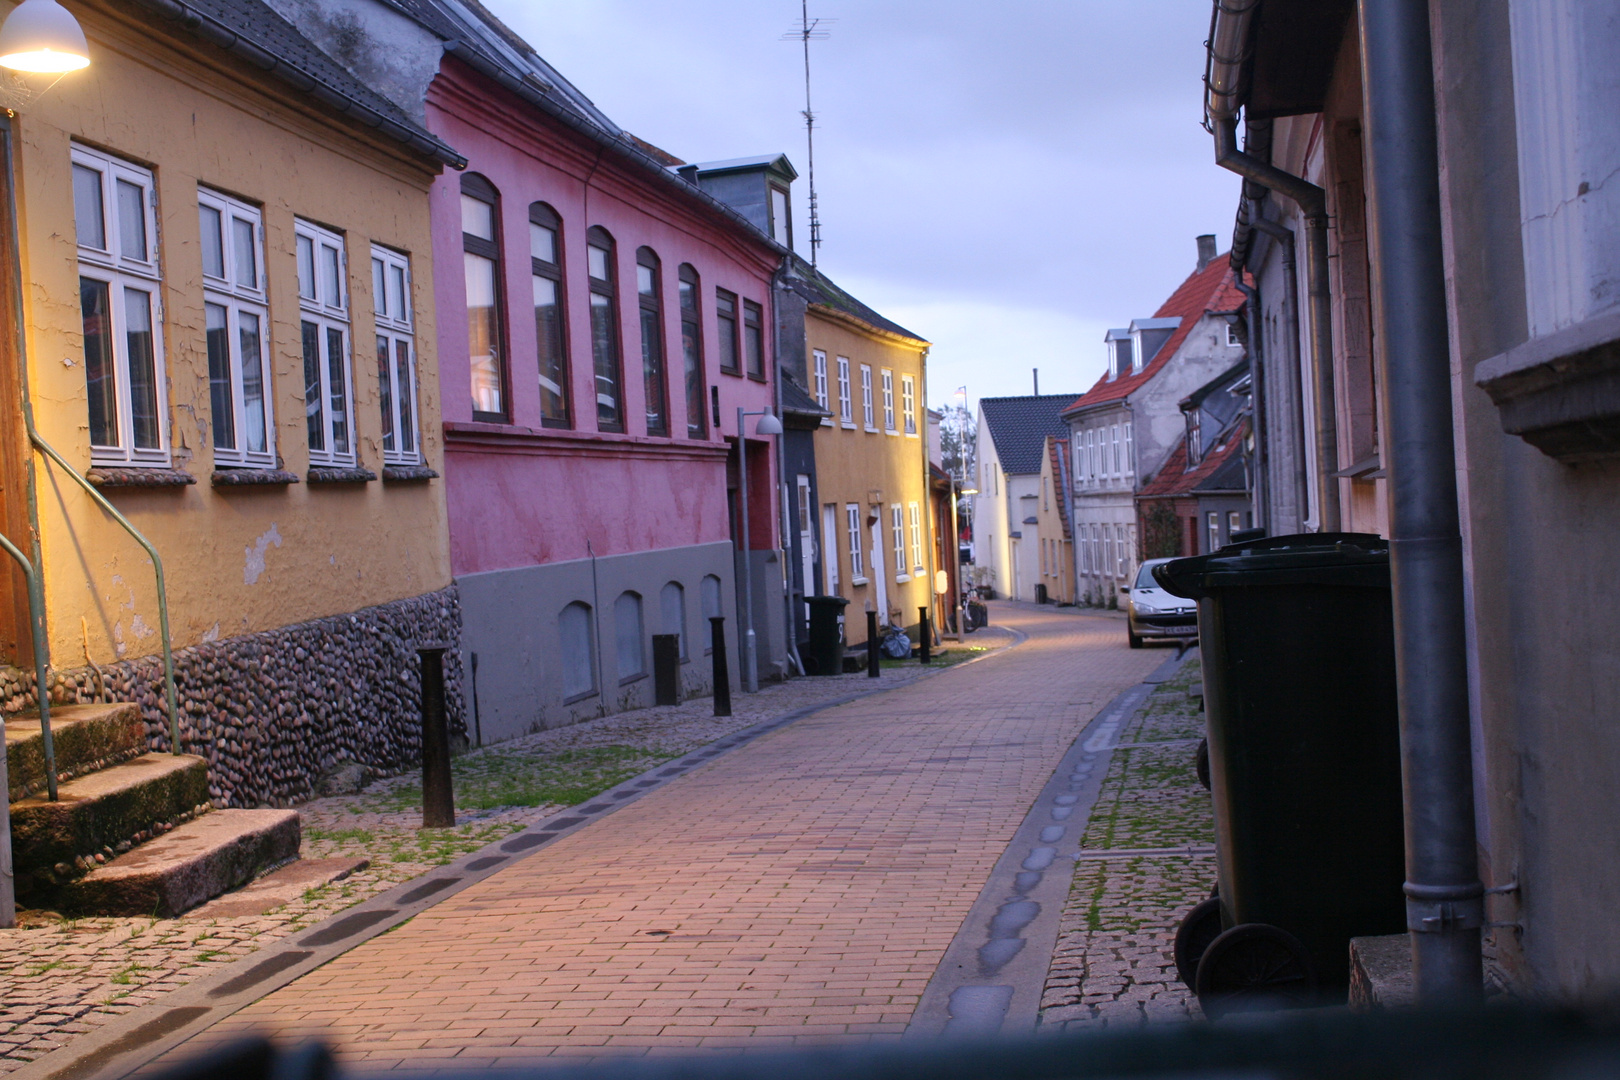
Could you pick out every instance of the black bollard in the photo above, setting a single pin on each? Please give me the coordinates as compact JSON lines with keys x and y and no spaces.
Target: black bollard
{"x":874,"y":665}
{"x":438,"y":798}
{"x":927,"y":653}
{"x":722,"y":675}
{"x":666,"y":669}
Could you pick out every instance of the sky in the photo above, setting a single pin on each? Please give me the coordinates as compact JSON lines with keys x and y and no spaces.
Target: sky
{"x":1006,"y":180}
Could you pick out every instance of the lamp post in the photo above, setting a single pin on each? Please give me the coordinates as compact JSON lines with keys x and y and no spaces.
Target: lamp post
{"x":768,"y":425}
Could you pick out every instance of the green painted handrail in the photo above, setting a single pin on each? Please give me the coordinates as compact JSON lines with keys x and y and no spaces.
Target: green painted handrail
{"x":42,"y":658}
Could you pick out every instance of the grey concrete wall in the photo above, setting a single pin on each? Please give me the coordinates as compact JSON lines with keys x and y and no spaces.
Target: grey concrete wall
{"x":509,"y":620}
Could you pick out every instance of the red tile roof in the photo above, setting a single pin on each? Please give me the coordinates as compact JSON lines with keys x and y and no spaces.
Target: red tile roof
{"x":1173,"y":479}
{"x":1206,"y":290}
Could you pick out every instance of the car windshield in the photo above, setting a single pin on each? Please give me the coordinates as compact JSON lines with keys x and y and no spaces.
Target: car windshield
{"x":1144,"y":578}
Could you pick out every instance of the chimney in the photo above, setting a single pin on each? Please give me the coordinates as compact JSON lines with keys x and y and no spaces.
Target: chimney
{"x":1206,"y":250}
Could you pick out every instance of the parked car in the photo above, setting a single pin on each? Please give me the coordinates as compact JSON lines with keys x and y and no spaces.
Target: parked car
{"x":1153,"y":613}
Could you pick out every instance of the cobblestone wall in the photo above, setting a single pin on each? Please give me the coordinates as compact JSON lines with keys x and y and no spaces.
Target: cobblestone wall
{"x":276,"y":711}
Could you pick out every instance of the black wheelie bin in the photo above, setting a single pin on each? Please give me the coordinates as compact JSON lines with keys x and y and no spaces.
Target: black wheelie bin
{"x":1297,"y":636}
{"x":823,"y":654}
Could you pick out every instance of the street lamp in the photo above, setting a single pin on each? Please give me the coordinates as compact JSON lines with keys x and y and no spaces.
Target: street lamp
{"x":43,"y":36}
{"x":768,"y":425}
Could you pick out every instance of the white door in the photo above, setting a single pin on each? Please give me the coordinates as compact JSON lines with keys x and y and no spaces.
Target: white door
{"x":829,"y":549}
{"x":807,"y":537}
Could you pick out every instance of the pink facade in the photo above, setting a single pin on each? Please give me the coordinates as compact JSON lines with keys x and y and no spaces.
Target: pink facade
{"x":521,"y":493}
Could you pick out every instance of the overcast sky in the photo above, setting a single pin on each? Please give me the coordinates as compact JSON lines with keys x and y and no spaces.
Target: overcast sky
{"x":1006,"y":180}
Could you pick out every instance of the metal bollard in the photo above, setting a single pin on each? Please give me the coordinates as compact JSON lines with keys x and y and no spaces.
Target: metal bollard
{"x":927,"y":653}
{"x":666,"y":669}
{"x":438,"y":797}
{"x":722,"y":674}
{"x":874,"y":665}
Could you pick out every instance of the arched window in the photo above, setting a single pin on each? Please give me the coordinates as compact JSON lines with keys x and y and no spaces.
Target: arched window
{"x":604,"y":330}
{"x":481,"y":255}
{"x":697,"y":414}
{"x":550,"y":313}
{"x":578,"y":651}
{"x":672,"y":605}
{"x":627,"y":629}
{"x":649,"y":296}
{"x":710,"y":590}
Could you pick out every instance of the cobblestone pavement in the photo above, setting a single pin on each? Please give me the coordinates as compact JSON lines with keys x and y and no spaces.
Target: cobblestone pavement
{"x":800,"y":888}
{"x":60,"y":978}
{"x":1113,"y":963}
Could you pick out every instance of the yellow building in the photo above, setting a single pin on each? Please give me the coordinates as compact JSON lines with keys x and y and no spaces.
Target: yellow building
{"x":1053,"y":532}
{"x":228,"y":322}
{"x":871,"y":491}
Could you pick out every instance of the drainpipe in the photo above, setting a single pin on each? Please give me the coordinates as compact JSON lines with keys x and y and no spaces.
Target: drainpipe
{"x":790,"y":616}
{"x":1228,"y":43}
{"x":1445,"y":900}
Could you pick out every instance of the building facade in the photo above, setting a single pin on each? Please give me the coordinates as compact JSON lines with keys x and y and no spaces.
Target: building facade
{"x":1006,"y":511}
{"x":1054,"y":533}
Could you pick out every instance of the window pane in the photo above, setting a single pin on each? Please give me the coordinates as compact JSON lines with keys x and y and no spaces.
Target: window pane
{"x":95,"y":305}
{"x":579,"y":668}
{"x":477,"y":218}
{"x":605,"y":355}
{"x":405,"y":388}
{"x":306,"y":268}
{"x":142,"y":369}
{"x":313,"y":415}
{"x":726,"y":320}
{"x":398,"y":307}
{"x":672,"y":601}
{"x":331,"y":280}
{"x":483,"y":349}
{"x":596,"y":261}
{"x":385,"y":389}
{"x":688,"y":297}
{"x":627,"y":629}
{"x":255,"y":432}
{"x":697,"y":420}
{"x":542,"y":243}
{"x":644,"y":281}
{"x":779,"y":216}
{"x":220,"y":389}
{"x":379,"y":289}
{"x":247,"y":266}
{"x":754,"y":346}
{"x":652,"y":372}
{"x":337,"y":390}
{"x":213,"y":244}
{"x":88,"y":216}
{"x":131,"y":221}
{"x":548,"y":331}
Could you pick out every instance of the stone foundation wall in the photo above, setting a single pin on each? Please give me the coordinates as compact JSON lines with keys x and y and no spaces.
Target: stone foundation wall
{"x":274,"y":712}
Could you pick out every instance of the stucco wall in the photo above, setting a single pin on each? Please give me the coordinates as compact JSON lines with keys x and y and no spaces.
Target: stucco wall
{"x":238,"y":560}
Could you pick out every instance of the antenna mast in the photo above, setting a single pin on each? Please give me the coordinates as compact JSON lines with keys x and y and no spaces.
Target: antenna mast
{"x":808,"y":31}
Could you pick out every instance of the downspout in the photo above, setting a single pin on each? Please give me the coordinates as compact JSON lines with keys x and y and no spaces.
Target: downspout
{"x":790,"y":620}
{"x":1445,"y":909}
{"x":1228,"y":43}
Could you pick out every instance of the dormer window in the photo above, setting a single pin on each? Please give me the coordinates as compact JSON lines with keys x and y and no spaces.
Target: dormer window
{"x":1124,"y":357}
{"x":781,"y":217}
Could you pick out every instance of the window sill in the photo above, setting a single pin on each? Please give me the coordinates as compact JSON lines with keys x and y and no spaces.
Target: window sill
{"x":401,"y":474}
{"x":756,"y":378}
{"x":847,"y":425}
{"x":1561,"y":392}
{"x":911,"y":435}
{"x":574,"y":699}
{"x":326,"y":474}
{"x":826,"y":421}
{"x":628,"y":679}
{"x":870,"y":430}
{"x":857,"y":581}
{"x":901,"y":579}
{"x":124,"y":476}
{"x":250,"y":477}
{"x":735,"y":373}
{"x":918,"y":571}
{"x":891,"y":431}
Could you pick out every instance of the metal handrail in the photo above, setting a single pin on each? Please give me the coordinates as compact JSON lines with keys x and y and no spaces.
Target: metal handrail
{"x":42,"y":659}
{"x":157,"y":565}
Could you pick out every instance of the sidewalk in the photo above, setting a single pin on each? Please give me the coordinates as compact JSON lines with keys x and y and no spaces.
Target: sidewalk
{"x":798,"y":889}
{"x":63,"y":978}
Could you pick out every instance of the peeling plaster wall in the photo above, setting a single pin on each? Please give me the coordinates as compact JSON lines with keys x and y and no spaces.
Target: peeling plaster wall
{"x":239,"y":560}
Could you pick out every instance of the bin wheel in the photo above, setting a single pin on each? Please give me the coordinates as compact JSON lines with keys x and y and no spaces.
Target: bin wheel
{"x":1131,"y":636}
{"x":1201,"y":763}
{"x":1198,"y":928}
{"x":1254,"y":967}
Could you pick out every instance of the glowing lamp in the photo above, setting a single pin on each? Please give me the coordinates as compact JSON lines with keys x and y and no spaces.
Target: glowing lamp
{"x":42,"y":36}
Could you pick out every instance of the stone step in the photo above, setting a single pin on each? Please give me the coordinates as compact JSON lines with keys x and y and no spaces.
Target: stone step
{"x":187,"y":866}
{"x":85,"y":737}
{"x":104,"y":813}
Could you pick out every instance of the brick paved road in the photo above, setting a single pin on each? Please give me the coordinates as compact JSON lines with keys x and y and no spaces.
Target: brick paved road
{"x":799,"y":889}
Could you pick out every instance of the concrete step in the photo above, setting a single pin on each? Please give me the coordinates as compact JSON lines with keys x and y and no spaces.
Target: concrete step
{"x":188,"y":866}
{"x":104,"y":813}
{"x":86,"y":738}
{"x":278,"y":887}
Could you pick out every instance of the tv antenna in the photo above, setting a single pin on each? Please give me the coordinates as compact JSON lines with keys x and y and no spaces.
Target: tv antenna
{"x":807,"y":31}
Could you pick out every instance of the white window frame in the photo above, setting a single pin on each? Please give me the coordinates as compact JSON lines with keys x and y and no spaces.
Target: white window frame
{"x":395,"y":328}
{"x":829,"y":546}
{"x":888,"y":401}
{"x":897,"y":532}
{"x":119,"y":272}
{"x":1232,"y":341}
{"x":846,"y":409}
{"x":908,"y":402}
{"x":240,"y":298}
{"x":328,"y":311}
{"x":915,"y":511}
{"x":867,"y":413}
{"x":857,"y":559}
{"x":1113,"y":454}
{"x":820,"y":378}
{"x":1127,"y":465}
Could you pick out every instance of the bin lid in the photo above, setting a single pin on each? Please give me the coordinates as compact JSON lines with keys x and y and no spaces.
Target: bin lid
{"x":1345,"y":559}
{"x":826,"y":601}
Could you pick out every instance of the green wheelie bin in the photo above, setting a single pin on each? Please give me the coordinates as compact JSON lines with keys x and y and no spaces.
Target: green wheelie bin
{"x":1297,"y":639}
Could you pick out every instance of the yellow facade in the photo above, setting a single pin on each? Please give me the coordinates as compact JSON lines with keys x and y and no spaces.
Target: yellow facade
{"x":238,"y":559}
{"x":874,"y":468}
{"x":1056,"y":556}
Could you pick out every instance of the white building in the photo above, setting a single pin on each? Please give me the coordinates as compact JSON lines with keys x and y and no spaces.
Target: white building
{"x":1006,"y":522}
